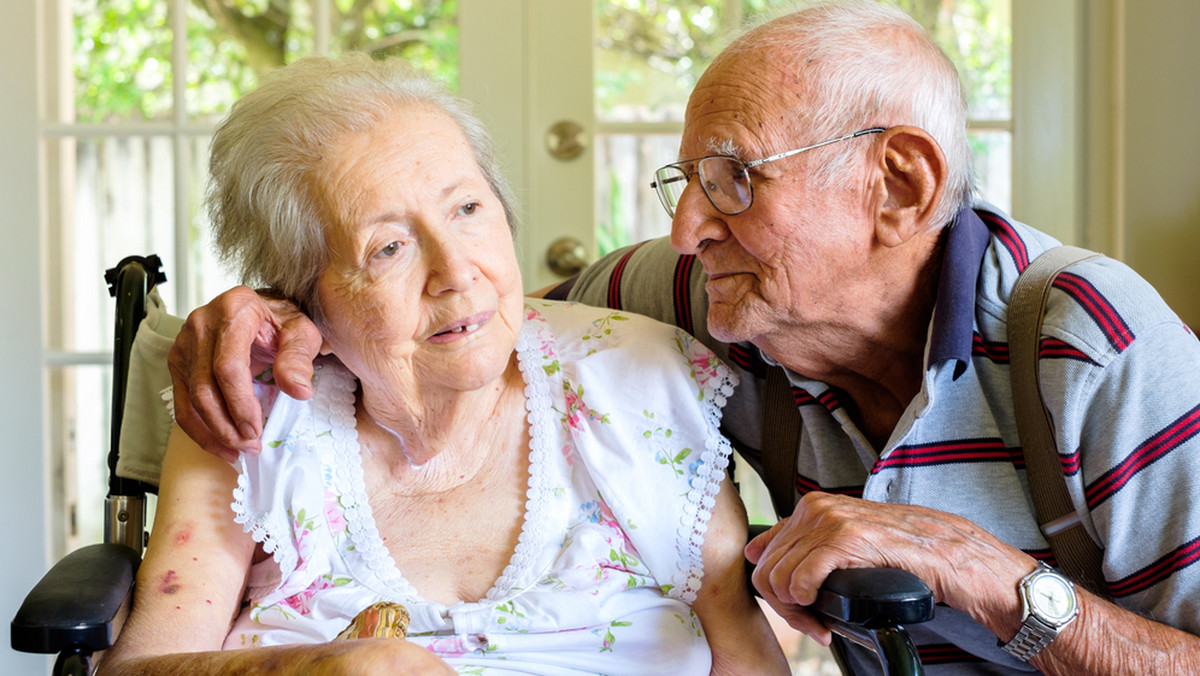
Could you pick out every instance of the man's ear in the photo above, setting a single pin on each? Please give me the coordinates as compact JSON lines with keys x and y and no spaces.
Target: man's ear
{"x":911,"y":178}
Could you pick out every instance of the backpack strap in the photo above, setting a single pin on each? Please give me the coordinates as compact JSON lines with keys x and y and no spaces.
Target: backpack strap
{"x":1078,"y":555}
{"x":780,"y":431}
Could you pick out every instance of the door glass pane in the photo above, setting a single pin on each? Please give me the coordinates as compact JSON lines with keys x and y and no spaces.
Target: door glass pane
{"x":232,"y":44}
{"x":121,"y":203}
{"x":79,"y":437}
{"x":649,"y":55}
{"x":627,"y":210}
{"x":122,"y":60}
{"x":423,"y":32}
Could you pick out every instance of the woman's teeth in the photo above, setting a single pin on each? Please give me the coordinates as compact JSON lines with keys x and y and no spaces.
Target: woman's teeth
{"x":469,"y":328}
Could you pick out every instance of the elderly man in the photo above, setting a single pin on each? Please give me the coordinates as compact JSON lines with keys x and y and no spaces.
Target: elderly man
{"x":825,"y":190}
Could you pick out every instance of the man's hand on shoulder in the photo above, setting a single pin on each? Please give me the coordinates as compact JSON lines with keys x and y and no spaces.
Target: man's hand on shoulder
{"x":221,"y":347}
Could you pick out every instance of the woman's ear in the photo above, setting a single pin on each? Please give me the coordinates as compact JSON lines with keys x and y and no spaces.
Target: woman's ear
{"x":911,"y":178}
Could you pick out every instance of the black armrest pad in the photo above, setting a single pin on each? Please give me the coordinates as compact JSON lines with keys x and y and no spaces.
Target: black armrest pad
{"x":875,"y":597}
{"x":76,"y":601}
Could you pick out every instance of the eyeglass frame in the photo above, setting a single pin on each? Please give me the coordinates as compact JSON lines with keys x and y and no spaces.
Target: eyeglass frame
{"x":660,"y":186}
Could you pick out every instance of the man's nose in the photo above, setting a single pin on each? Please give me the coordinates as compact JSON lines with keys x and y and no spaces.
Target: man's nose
{"x":696,"y":221}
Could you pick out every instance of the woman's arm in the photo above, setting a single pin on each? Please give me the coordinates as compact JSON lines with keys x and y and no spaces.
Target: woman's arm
{"x":741,"y":639}
{"x":190,"y":585}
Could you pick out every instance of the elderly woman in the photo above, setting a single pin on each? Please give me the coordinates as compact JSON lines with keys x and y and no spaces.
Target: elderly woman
{"x":541,"y":486}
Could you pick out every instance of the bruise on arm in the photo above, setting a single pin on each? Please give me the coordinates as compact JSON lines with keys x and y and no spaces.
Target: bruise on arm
{"x":190,"y":584}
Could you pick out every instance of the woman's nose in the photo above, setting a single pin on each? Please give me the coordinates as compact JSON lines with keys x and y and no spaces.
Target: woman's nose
{"x":451,"y":267}
{"x":696,"y":221}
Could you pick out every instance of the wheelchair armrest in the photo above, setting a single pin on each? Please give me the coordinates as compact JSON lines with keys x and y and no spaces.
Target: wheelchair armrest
{"x":75,"y":603}
{"x":870,"y":606}
{"x":875,"y":597}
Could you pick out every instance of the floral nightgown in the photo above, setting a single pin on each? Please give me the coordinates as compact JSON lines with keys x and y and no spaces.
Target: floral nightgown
{"x":625,"y":463}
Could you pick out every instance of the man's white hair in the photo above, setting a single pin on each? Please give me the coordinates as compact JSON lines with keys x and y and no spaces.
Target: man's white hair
{"x":865,"y":63}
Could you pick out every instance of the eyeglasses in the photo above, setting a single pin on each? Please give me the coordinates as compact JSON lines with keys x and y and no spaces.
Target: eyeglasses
{"x":725,"y":179}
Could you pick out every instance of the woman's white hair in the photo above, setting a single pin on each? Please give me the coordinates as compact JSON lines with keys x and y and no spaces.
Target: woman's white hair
{"x":865,"y":63}
{"x":262,"y":199}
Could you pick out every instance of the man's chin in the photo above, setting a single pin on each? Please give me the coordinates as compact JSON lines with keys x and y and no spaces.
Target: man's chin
{"x":727,"y":325}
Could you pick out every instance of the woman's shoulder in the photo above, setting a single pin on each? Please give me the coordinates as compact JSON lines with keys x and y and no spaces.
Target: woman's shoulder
{"x":605,"y":346}
{"x":585,"y":330}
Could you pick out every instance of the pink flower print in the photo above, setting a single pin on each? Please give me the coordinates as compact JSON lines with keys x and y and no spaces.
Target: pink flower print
{"x":457,"y":646}
{"x":568,"y":452}
{"x":577,"y":409}
{"x":301,"y":602}
{"x":704,"y":368}
{"x":334,"y":516}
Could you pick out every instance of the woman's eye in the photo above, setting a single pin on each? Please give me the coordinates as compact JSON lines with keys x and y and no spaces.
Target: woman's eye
{"x":389,"y":250}
{"x":468,"y":209}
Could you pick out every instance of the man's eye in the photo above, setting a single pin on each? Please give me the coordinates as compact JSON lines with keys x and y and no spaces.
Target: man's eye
{"x":389,"y":250}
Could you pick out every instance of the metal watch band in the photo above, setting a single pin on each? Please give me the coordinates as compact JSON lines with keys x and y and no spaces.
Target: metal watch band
{"x":1029,"y":641}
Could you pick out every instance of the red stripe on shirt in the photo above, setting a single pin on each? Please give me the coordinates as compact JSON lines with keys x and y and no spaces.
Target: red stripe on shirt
{"x":683,"y":295}
{"x":614,"y":280}
{"x":1166,"y":566}
{"x":1098,"y":308}
{"x":1147,"y":453}
{"x":1009,"y":238}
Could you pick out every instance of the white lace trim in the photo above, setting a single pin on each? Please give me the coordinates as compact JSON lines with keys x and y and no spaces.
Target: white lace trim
{"x":262,"y":528}
{"x":540,"y":491}
{"x":347,"y":473}
{"x":705,"y":486}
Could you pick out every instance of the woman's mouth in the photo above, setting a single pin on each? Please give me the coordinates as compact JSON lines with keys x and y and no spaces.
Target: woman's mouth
{"x":461,"y":328}
{"x":469,"y":328}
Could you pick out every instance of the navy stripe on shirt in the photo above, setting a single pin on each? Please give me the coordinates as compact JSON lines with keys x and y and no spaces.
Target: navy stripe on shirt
{"x":683,"y":295}
{"x":805,"y":485}
{"x":1009,"y":238}
{"x":1098,"y":308}
{"x":614,"y":282}
{"x":747,"y":360}
{"x":951,"y":453}
{"x":1147,"y":453}
{"x":1175,"y":561}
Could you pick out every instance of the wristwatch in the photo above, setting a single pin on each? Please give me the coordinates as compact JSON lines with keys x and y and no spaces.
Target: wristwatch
{"x":1048,"y":603}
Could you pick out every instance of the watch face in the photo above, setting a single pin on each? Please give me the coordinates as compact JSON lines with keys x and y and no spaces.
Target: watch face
{"x":1052,"y":597}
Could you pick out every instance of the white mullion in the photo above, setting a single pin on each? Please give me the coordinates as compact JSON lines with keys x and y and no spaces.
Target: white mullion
{"x":177,"y":15}
{"x":322,"y":26}
{"x":124,"y":129}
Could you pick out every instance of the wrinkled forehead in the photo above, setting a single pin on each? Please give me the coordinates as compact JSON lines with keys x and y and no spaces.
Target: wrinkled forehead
{"x":742,"y":106}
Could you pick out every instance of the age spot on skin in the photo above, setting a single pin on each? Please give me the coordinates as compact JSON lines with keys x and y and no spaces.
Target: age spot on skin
{"x":170,"y":583}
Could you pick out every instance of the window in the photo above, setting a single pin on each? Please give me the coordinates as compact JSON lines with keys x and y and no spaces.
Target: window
{"x":137,"y":88}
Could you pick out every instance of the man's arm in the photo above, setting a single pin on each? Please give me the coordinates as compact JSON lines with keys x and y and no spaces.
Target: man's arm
{"x":221,"y":347}
{"x":966,"y":567}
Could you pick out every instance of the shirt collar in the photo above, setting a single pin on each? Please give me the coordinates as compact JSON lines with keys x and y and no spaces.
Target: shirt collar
{"x":954,"y":316}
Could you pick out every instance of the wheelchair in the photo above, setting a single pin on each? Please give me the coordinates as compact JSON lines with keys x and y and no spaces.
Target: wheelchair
{"x":77,"y":608}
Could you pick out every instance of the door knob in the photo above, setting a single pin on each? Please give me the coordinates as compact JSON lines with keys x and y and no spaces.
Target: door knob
{"x":566,"y":256}
{"x":566,"y":140}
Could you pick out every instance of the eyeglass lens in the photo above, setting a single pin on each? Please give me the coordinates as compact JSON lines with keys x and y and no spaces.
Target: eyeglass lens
{"x":724,"y":180}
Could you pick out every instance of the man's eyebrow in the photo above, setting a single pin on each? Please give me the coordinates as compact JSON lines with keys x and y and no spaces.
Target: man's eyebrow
{"x":724,"y":146}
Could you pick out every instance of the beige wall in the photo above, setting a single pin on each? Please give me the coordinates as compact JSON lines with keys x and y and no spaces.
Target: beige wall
{"x":1142,"y":186}
{"x":1162,"y":149}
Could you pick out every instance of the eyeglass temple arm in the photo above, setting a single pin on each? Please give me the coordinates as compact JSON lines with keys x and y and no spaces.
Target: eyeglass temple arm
{"x":789,"y":153}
